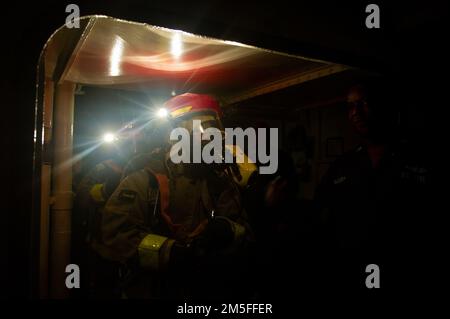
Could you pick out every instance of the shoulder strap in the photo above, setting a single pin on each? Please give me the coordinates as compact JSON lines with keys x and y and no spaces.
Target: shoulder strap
{"x":163,"y":187}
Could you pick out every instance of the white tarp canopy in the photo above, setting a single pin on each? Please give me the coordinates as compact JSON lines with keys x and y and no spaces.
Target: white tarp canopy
{"x":116,"y":53}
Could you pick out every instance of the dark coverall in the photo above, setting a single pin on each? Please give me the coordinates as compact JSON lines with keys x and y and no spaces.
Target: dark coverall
{"x":91,"y":195}
{"x":132,"y":218}
{"x":370,"y":215}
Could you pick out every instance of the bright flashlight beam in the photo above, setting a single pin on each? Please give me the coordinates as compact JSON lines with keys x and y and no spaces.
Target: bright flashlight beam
{"x":176,"y":45}
{"x":76,"y":158}
{"x":109,"y":138}
{"x":162,"y":113}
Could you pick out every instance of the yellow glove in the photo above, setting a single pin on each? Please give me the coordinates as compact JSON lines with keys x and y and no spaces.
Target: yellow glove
{"x":96,"y":193}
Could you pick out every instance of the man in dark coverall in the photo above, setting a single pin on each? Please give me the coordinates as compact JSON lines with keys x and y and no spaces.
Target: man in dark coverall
{"x":178,"y":229}
{"x":92,"y":193}
{"x":371,"y":200}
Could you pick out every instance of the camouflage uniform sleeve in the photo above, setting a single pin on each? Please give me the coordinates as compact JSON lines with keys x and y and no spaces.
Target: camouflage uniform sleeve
{"x":125,"y":230}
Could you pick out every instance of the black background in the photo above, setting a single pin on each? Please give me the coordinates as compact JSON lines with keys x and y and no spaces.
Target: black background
{"x":410,"y":47}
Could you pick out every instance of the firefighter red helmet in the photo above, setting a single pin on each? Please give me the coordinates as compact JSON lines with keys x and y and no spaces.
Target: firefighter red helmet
{"x":189,"y":103}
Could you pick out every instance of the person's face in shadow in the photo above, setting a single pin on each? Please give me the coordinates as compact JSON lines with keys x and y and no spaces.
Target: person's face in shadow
{"x":358,"y":111}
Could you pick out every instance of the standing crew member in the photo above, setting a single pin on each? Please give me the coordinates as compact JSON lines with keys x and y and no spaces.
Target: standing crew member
{"x":179,"y":230}
{"x":373,"y":198}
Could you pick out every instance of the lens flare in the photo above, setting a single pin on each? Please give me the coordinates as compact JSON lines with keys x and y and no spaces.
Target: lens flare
{"x":162,"y":113}
{"x":109,"y":138}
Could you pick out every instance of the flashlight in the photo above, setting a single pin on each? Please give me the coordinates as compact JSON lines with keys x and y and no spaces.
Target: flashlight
{"x":162,"y":113}
{"x":109,"y":138}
